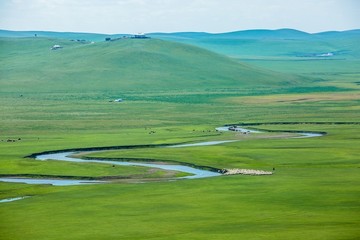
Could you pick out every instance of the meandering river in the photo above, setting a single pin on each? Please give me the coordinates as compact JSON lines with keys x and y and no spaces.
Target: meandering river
{"x":195,"y":172}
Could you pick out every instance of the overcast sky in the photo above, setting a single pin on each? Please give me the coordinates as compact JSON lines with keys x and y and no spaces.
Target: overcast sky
{"x":132,"y":16}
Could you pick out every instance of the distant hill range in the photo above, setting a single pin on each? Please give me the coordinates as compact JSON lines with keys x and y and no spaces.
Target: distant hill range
{"x":260,"y":34}
{"x":252,"y":44}
{"x":246,"y":34}
{"x":36,"y":61}
{"x":282,"y":43}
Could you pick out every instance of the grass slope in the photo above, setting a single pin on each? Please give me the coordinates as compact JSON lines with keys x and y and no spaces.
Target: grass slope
{"x":124,"y":65}
{"x":282,"y":42}
{"x":284,"y":50}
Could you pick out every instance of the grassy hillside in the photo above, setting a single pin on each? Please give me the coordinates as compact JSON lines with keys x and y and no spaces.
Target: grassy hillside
{"x":29,"y":65}
{"x":285,"y":50}
{"x":275,"y":43}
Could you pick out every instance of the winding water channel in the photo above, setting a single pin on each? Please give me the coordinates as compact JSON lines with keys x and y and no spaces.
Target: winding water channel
{"x":195,"y":172}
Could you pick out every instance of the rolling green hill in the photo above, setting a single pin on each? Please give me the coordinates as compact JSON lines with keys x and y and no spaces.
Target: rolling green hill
{"x":241,"y":44}
{"x":284,"y":50}
{"x":246,"y":34}
{"x":274,"y":43}
{"x":28,"y":65}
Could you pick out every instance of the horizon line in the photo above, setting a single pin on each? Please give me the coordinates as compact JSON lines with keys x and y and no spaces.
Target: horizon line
{"x":159,"y":32}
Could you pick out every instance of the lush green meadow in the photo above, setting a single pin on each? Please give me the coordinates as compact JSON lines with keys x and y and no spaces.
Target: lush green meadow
{"x":313,"y":194}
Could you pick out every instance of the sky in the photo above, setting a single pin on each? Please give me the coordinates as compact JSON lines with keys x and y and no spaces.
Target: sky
{"x":133,"y":16}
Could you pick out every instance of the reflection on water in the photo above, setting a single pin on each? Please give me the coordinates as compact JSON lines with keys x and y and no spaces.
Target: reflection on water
{"x":196,"y":173}
{"x":201,"y":144}
{"x":55,"y":182}
{"x":12,"y":199}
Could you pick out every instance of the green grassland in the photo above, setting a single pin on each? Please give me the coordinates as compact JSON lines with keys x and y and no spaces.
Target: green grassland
{"x":176,"y":93}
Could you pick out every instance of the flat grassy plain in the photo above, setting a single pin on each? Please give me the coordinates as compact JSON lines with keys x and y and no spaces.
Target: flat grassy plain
{"x":313,"y":194}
